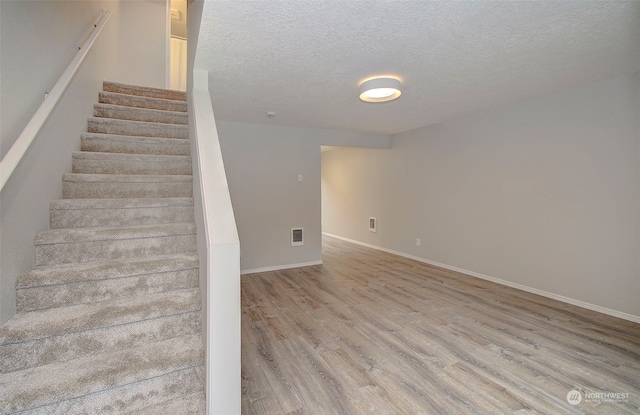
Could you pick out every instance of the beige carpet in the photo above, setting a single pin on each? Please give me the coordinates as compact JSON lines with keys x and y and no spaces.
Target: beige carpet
{"x":109,"y":320}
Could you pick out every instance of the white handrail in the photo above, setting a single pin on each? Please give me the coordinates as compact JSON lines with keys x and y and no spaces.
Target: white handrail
{"x":19,"y":148}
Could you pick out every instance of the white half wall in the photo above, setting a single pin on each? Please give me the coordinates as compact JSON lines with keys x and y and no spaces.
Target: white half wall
{"x":263,"y":164}
{"x":38,"y":40}
{"x":542,"y":194}
{"x":194,"y":18}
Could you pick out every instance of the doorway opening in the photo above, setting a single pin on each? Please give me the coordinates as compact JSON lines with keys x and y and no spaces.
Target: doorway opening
{"x":178,"y":45}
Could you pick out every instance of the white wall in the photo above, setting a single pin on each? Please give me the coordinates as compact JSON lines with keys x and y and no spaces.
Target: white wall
{"x":178,"y":66}
{"x":262,"y":164}
{"x":544,"y":194}
{"x":142,"y":49}
{"x":39,"y":38}
{"x":356,"y":190}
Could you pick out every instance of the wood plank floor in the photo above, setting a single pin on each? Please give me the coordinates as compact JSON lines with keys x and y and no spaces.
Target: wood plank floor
{"x":372,"y":333}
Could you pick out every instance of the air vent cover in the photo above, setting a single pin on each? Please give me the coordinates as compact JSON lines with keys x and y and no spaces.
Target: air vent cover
{"x":297,"y":236}
{"x":373,"y":225}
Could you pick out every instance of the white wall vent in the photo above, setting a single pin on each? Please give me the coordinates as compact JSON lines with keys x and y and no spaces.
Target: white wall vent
{"x":297,"y":236}
{"x":373,"y":225}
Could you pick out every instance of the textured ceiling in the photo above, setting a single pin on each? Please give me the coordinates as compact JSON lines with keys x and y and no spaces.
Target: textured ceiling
{"x":305,"y":59}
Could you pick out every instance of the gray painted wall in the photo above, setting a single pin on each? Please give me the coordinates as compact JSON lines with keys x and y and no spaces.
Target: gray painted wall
{"x":263,"y":163}
{"x":544,"y":193}
{"x":38,"y":40}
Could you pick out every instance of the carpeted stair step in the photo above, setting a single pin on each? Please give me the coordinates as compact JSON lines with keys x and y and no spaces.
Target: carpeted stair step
{"x":122,"y":186}
{"x":109,"y":319}
{"x":66,"y":246}
{"x":87,"y":213}
{"x":141,"y":102}
{"x":73,"y":284}
{"x":115,"y":163}
{"x":108,"y":383}
{"x":136,"y":128}
{"x":55,"y":335}
{"x":111,"y":143}
{"x":144,"y":91}
{"x":194,"y":404}
{"x":139,"y":114}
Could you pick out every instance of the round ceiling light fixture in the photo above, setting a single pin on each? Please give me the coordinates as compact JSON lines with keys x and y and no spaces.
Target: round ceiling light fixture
{"x":380,"y":89}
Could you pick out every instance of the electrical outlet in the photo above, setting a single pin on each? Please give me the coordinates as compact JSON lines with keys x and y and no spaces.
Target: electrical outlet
{"x":418,"y":242}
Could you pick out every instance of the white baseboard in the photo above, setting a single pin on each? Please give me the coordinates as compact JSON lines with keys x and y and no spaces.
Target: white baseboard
{"x":568,"y":300}
{"x":279,"y":267}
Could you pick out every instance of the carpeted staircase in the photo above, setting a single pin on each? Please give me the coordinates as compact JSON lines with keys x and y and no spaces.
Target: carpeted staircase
{"x":109,"y":320}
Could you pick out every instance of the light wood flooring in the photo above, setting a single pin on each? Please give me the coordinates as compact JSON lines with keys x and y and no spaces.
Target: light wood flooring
{"x":372,"y":333}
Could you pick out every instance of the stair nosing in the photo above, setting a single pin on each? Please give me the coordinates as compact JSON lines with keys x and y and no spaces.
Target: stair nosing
{"x":127,"y":108}
{"x":102,"y":120}
{"x":123,"y":137}
{"x":143,"y":97}
{"x":188,"y":262}
{"x":126,"y":314}
{"x":120,"y":203}
{"x":113,"y":233}
{"x":142,"y":128}
{"x":100,"y":155}
{"x":122,"y":178}
{"x":109,"y":84}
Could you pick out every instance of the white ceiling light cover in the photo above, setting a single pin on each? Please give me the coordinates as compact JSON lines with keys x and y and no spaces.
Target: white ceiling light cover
{"x":382,"y":89}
